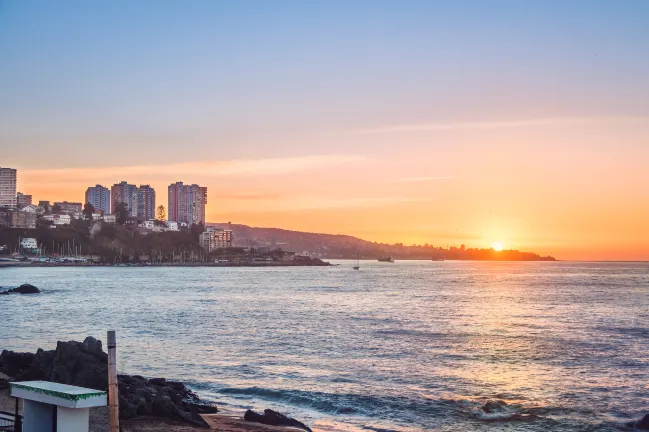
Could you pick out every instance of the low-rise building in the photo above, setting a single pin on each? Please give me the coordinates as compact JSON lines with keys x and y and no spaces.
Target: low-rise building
{"x":148,"y":224}
{"x":62,"y":219}
{"x":46,"y":205}
{"x":69,"y":207}
{"x":23,"y":200}
{"x":131,"y":223}
{"x":31,"y":208}
{"x":172,"y":225}
{"x":215,"y":238}
{"x":110,"y":218}
{"x":16,"y":219}
{"x":29,"y":244}
{"x":95,"y":216}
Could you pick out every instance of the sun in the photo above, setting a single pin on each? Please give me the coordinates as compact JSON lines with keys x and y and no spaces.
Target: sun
{"x":497,"y":246}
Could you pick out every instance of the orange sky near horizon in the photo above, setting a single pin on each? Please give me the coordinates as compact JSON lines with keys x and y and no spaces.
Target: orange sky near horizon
{"x":566,"y":193}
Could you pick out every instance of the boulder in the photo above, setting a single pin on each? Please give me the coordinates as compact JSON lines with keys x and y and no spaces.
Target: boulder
{"x":92,"y":345}
{"x":12,"y":363}
{"x":494,"y":406}
{"x":643,"y":423}
{"x":273,"y":418}
{"x":158,"y":381}
{"x":23,"y":289}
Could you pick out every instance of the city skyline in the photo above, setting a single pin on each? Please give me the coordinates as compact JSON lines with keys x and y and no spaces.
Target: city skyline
{"x":516,"y":123}
{"x":188,"y":205}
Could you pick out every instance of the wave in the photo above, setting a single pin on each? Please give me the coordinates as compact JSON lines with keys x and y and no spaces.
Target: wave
{"x":428,"y":412}
{"x":400,"y":408}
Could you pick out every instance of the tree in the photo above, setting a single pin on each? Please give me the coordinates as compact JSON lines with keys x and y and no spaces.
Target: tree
{"x":121,"y":213}
{"x":196,"y":230}
{"x":160,"y":213}
{"x":56,"y":209}
{"x":88,"y":210}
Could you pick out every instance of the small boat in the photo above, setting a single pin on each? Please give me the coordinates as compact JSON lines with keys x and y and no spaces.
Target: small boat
{"x":11,"y":262}
{"x":358,"y":262}
{"x":386,"y":259}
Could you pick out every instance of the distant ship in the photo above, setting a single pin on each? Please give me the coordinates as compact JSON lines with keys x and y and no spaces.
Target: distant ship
{"x":386,"y":259}
{"x":439,"y":259}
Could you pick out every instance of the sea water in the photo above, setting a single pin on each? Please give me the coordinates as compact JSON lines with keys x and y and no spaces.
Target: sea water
{"x":406,"y":347}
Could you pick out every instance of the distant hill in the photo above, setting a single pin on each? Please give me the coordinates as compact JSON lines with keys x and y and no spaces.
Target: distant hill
{"x":344,"y":246}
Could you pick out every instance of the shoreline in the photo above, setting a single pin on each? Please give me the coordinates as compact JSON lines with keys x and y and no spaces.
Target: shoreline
{"x":140,"y":265}
{"x":314,"y":262}
{"x":145,"y":404}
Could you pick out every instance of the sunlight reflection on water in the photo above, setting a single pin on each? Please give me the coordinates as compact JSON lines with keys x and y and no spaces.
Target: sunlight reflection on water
{"x":405,"y":346}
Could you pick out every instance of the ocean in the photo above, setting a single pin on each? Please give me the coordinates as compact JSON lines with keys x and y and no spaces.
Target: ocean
{"x":408,"y":346}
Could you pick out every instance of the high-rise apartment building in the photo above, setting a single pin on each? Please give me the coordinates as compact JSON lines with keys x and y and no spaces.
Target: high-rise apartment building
{"x":23,"y":200}
{"x":99,"y":197}
{"x":124,"y":193}
{"x":187,"y":203}
{"x":145,"y":202}
{"x":8,"y":178}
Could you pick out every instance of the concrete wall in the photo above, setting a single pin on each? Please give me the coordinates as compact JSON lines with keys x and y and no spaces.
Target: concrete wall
{"x":73,"y":419}
{"x":38,"y":417}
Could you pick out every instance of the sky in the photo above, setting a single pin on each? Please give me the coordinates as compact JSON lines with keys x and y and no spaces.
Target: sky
{"x":439,"y":122}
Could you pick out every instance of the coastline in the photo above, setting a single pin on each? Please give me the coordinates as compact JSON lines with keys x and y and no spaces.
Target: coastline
{"x":145,"y":404}
{"x":313,"y":263}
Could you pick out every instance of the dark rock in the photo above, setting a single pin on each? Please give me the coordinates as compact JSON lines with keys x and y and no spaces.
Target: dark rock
{"x":92,"y":345}
{"x":643,"y":423}
{"x":128,"y":410}
{"x":85,"y":364}
{"x":161,"y":406}
{"x":23,"y":289}
{"x":273,"y":418}
{"x":202,"y":408}
{"x":158,"y":381}
{"x":494,"y":406}
{"x":12,"y":363}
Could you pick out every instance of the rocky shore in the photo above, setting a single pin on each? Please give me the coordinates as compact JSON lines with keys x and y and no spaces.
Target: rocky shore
{"x":85,"y":364}
{"x":150,"y":403}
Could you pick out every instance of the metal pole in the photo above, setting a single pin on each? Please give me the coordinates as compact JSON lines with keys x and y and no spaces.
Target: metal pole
{"x":113,"y":397}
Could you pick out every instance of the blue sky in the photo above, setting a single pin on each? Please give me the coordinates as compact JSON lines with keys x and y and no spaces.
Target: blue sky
{"x":151,"y":72}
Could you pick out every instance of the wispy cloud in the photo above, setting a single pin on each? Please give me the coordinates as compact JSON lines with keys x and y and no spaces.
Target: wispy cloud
{"x":500,"y":124}
{"x":307,"y":203}
{"x":249,"y":196}
{"x":354,"y":202}
{"x":189,"y":170}
{"x":422,"y":179}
